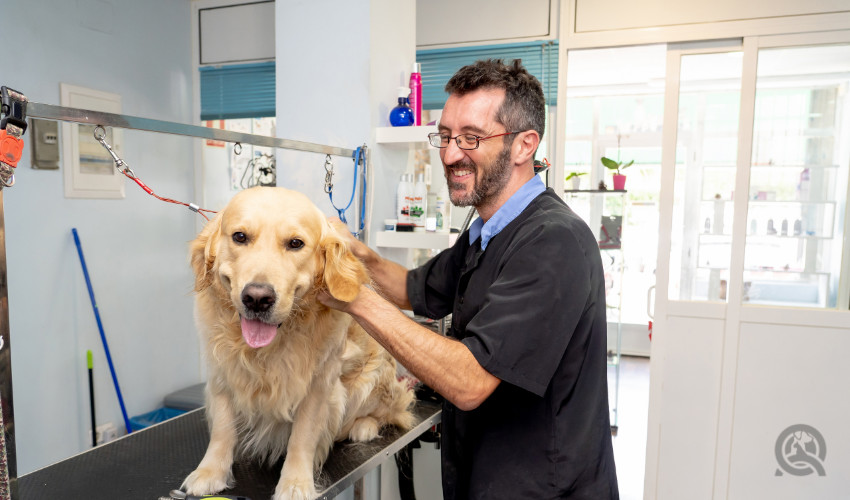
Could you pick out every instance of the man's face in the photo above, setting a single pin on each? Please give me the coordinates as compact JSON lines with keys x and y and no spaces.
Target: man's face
{"x":478,"y":175}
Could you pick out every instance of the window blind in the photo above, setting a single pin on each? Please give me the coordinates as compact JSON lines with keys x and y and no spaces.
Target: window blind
{"x":238,"y":91}
{"x":438,"y":65}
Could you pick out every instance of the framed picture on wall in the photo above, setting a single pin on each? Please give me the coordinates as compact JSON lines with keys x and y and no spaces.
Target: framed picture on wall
{"x":89,"y":168}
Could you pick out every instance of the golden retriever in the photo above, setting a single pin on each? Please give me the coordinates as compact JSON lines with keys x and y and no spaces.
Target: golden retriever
{"x":287,"y":375}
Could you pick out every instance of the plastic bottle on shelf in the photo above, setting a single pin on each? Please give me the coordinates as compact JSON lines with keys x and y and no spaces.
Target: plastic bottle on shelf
{"x":403,"y":194}
{"x":416,"y":93}
{"x":803,"y":187}
{"x":442,"y":209}
{"x":419,"y":209}
{"x":402,"y":114}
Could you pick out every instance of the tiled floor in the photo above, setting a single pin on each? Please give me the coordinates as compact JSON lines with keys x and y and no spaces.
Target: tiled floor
{"x":630,"y":441}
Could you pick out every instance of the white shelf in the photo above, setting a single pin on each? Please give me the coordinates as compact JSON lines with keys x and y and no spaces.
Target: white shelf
{"x":394,"y":239}
{"x":404,"y":136}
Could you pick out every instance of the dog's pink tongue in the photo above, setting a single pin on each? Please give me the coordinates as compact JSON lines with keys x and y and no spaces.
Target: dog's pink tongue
{"x":256,"y":333}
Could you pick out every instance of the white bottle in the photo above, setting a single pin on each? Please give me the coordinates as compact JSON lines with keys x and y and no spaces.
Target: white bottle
{"x":403,"y":195}
{"x":408,"y":198}
{"x":419,"y":209}
{"x":443,"y":209}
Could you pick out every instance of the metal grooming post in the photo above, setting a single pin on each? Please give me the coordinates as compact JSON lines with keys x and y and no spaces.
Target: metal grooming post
{"x":8,"y":463}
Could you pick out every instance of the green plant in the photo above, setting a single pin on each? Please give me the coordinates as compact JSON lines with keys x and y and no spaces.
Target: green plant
{"x":616,"y":165}
{"x":574,"y":174}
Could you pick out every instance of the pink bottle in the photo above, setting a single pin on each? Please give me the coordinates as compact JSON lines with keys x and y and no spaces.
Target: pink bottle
{"x":416,"y":93}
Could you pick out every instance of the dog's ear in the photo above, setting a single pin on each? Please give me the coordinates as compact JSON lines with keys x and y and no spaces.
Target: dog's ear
{"x":202,"y":252}
{"x":343,"y":272}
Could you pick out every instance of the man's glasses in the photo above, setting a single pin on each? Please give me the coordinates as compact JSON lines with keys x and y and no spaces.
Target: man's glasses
{"x":464,"y":141}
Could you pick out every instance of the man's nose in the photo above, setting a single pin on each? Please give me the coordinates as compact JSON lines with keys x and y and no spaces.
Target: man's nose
{"x":452,"y":153}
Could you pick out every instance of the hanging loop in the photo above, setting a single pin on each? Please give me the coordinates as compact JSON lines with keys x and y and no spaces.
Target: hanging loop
{"x":122,"y":166}
{"x":237,"y":148}
{"x":329,"y":173}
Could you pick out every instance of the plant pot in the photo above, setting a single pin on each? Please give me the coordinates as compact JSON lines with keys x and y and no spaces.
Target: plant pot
{"x":576,"y":183}
{"x":619,"y":182}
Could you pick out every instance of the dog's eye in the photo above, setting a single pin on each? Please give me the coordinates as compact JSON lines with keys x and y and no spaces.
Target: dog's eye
{"x":239,"y":237}
{"x":294,"y":244}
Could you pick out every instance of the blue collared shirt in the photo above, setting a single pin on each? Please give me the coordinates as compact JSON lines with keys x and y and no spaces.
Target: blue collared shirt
{"x":506,"y":213}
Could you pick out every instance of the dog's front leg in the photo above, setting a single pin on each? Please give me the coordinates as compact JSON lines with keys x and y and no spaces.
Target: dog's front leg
{"x":308,"y":445}
{"x":214,"y":473}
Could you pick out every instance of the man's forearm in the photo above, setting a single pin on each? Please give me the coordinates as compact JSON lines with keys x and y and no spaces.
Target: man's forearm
{"x":444,"y":364}
{"x":390,"y":279}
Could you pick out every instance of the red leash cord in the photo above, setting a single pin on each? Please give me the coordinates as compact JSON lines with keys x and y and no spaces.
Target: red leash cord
{"x":195,"y":208}
{"x":121,"y":165}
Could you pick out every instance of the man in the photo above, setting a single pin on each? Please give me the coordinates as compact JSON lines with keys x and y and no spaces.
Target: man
{"x":524,"y":368}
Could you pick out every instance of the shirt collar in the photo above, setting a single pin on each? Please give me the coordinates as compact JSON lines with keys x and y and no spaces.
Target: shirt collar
{"x":506,"y":213}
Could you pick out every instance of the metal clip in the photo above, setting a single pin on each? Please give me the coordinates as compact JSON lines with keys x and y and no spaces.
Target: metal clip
{"x":329,"y":172}
{"x":13,"y":124}
{"x":7,"y":175}
{"x":121,"y":165}
{"x":13,"y":105}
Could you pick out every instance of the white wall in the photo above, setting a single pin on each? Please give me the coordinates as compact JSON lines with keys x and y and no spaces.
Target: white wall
{"x":603,"y":15}
{"x":336,"y":90}
{"x":135,"y":247}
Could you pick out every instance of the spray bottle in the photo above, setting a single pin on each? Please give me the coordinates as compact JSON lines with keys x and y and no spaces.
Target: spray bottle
{"x":416,"y":93}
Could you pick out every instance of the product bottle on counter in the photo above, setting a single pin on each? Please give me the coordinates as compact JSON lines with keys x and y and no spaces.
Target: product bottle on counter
{"x":409,"y":199}
{"x":418,"y":208}
{"x":416,"y":94}
{"x":404,"y":193}
{"x":402,"y":114}
{"x":443,"y":206}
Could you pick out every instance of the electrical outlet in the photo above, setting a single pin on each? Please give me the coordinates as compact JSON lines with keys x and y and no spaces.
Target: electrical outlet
{"x":106,"y":433}
{"x":45,"y":144}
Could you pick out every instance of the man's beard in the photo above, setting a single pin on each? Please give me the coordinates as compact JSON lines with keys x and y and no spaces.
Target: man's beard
{"x":493,"y":179}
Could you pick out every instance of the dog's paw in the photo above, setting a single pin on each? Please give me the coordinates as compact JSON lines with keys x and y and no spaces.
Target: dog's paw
{"x":364,"y":429}
{"x":205,"y":481}
{"x":295,"y":490}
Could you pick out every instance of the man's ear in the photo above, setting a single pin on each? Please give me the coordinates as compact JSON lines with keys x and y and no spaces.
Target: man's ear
{"x":202,"y":253}
{"x":343,"y":272}
{"x":525,"y":146}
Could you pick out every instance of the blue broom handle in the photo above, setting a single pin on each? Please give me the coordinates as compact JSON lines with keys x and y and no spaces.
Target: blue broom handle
{"x":100,"y":329}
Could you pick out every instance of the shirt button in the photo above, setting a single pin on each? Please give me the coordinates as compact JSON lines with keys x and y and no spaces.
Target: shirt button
{"x":461,"y":299}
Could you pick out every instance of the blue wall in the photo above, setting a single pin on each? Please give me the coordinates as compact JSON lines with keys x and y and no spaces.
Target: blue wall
{"x":135,"y":247}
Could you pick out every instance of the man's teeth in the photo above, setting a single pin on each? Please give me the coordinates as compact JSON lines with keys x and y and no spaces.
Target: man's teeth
{"x":461,"y":173}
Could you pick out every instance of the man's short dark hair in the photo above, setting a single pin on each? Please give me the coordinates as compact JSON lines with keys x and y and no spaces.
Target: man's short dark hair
{"x":524,"y":107}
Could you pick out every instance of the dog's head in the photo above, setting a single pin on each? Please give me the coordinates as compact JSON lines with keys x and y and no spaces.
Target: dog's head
{"x":269,"y":251}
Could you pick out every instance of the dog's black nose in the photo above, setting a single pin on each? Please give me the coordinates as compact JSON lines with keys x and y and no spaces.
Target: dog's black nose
{"x":258,"y":298}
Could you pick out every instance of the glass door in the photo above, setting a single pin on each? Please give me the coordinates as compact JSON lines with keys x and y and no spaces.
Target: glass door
{"x":798,"y":177}
{"x":704,"y":177}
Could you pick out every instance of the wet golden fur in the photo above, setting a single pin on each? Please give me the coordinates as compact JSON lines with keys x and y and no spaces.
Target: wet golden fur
{"x":322,"y":379}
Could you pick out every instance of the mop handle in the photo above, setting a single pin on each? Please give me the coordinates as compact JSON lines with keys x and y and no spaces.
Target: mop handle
{"x":90,"y":364}
{"x":100,"y":329}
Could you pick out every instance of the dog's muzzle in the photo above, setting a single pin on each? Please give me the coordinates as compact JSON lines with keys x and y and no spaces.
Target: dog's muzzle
{"x":258,"y":299}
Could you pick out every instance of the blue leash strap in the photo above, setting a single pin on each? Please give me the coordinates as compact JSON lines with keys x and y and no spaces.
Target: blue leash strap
{"x":359,"y":156}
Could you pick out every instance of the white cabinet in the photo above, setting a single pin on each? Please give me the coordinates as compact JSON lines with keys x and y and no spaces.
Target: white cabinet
{"x":391,"y":242}
{"x":403,"y":137}
{"x":433,"y":240}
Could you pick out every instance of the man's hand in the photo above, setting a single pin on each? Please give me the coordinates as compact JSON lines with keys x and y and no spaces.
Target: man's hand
{"x":358,"y":248}
{"x":327,"y":299}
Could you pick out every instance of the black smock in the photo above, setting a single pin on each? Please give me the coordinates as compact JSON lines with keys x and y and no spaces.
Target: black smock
{"x":531,"y":309}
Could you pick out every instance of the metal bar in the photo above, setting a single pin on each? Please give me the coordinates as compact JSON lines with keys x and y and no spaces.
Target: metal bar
{"x":61,"y":113}
{"x":8,"y":461}
{"x":375,"y":460}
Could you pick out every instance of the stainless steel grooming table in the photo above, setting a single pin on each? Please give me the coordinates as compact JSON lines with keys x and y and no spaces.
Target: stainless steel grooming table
{"x":148,"y":464}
